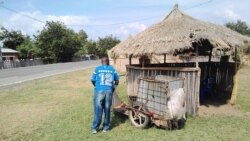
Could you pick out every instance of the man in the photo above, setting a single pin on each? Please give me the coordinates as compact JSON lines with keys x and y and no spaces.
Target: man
{"x":104,"y":79}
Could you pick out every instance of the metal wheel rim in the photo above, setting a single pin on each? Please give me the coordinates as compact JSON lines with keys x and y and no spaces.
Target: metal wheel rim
{"x":137,"y":116}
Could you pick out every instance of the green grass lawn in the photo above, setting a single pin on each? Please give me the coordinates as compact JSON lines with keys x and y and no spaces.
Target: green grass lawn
{"x":60,"y":108}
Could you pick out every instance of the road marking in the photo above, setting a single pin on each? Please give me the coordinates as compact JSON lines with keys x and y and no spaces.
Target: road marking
{"x":19,"y":82}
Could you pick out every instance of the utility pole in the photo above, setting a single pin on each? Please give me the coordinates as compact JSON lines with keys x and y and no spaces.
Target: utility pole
{"x":1,"y":57}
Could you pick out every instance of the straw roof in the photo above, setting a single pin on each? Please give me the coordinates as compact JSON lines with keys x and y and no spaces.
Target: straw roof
{"x":176,"y":33}
{"x":122,"y":46}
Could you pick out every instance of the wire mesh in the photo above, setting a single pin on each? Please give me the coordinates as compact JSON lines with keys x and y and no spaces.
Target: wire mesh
{"x":154,"y":91}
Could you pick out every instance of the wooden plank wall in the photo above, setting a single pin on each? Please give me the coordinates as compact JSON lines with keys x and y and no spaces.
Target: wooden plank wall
{"x":191,"y":86}
{"x":222,"y":71}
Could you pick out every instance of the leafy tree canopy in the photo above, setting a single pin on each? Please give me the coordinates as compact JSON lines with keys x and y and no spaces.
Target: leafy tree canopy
{"x":56,"y":43}
{"x":242,"y":28}
{"x":59,"y":43}
{"x":28,"y":49}
{"x":239,"y":26}
{"x":11,"y":39}
{"x":106,"y":43}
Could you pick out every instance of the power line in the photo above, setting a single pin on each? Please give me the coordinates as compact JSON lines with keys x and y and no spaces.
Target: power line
{"x":200,"y":4}
{"x":121,"y":23}
{"x":145,"y":19}
{"x":112,"y":24}
{"x":17,"y":12}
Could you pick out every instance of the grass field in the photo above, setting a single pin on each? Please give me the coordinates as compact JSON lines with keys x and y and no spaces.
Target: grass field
{"x":60,"y":108}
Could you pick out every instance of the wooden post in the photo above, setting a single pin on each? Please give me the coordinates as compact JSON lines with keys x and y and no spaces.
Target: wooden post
{"x":143,"y":61}
{"x":209,"y":61}
{"x":196,"y":57}
{"x":235,"y":88}
{"x":235,"y":81}
{"x":130,"y":60}
{"x":198,"y":91}
{"x":210,"y":55}
{"x":164,"y":58}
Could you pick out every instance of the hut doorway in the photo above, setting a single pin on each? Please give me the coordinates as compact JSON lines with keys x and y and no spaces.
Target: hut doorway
{"x":216,"y":79}
{"x":216,"y":82}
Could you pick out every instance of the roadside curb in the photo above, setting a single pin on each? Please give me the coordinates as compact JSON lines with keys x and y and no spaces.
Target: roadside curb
{"x":41,"y":77}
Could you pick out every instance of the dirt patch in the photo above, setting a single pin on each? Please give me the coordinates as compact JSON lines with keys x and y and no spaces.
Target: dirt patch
{"x":220,"y":109}
{"x":223,"y":108}
{"x":245,"y":70}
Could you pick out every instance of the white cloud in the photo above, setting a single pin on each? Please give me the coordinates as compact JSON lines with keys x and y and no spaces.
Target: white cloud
{"x":230,"y":15}
{"x":31,"y":26}
{"x":137,"y":26}
{"x":131,"y":28}
{"x":218,"y":12}
{"x":122,"y":30}
{"x":214,"y":11}
{"x":26,"y":25}
{"x":70,"y":20}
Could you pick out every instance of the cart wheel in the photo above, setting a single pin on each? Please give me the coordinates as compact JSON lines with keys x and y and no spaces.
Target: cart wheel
{"x":137,"y":118}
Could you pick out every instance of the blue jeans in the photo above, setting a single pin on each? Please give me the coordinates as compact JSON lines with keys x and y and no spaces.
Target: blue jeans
{"x":102,"y":102}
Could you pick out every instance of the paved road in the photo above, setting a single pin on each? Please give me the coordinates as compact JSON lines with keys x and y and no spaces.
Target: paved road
{"x":13,"y":76}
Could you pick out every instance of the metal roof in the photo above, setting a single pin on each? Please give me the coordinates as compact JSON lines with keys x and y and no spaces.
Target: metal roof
{"x":8,"y":50}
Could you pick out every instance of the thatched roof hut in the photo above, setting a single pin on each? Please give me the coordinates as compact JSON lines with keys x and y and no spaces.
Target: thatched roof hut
{"x":178,"y":33}
{"x":122,"y":46}
{"x":175,"y":37}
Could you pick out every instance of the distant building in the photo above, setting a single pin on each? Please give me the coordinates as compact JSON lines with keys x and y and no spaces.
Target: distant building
{"x":9,"y":54}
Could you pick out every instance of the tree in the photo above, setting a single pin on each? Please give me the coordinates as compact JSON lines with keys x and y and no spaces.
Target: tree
{"x":240,"y":27}
{"x":81,"y":39}
{"x":11,"y":39}
{"x":58,"y":43}
{"x":106,"y":43}
{"x":28,"y":49}
{"x":91,"y":48}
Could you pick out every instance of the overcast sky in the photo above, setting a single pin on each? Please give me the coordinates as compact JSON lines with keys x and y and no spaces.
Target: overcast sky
{"x":118,"y":17}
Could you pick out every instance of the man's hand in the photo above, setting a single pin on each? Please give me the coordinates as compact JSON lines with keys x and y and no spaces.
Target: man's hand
{"x":117,"y":82}
{"x":93,"y":82}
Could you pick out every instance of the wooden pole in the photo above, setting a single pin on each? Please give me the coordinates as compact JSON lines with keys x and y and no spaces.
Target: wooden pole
{"x":164,"y":58}
{"x":196,"y":58}
{"x":235,"y":81}
{"x":198,"y":91}
{"x":209,"y":61}
{"x":210,"y":55}
{"x":130,"y":60}
{"x":143,"y":61}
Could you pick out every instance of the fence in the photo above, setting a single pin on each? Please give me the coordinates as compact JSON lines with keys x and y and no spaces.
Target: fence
{"x":84,"y":58}
{"x":20,"y":63}
{"x":223,"y":73}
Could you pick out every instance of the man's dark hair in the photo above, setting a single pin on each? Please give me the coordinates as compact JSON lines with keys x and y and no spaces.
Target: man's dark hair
{"x":105,"y":61}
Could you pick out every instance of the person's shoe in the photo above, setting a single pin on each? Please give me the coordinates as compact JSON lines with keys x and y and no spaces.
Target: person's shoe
{"x":104,"y":130}
{"x":94,"y":131}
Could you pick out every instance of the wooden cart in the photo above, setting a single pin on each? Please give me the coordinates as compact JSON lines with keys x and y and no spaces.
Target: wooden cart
{"x":150,"y":105}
